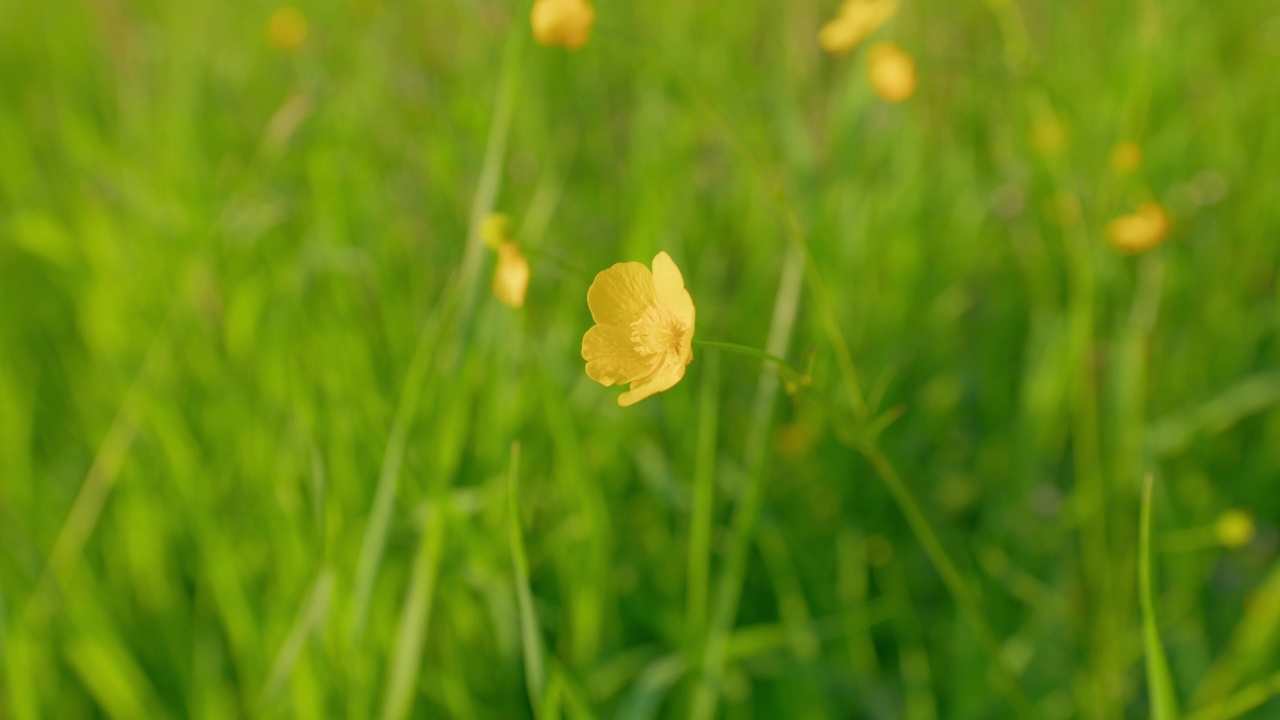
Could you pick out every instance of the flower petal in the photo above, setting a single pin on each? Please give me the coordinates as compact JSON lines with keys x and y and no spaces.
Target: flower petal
{"x":612,"y":357}
{"x":511,"y":277}
{"x":666,"y":377}
{"x":668,"y":285}
{"x":621,"y":294}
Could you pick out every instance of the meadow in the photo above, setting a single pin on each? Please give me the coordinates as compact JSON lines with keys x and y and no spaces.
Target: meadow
{"x":271,"y":445}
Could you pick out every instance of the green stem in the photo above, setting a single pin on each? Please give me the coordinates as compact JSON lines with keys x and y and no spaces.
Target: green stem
{"x":950,"y":575}
{"x":1160,"y":690}
{"x":783,"y":366}
{"x":699,"y":569}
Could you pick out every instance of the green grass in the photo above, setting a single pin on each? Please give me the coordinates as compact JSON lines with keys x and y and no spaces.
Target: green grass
{"x":269,"y":447}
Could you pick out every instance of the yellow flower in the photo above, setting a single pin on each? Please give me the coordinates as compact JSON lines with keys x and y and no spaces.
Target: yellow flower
{"x":511,"y":278}
{"x":495,"y":230}
{"x":1235,"y":529}
{"x":854,"y":22}
{"x":1141,"y":231}
{"x":566,"y":23}
{"x":891,"y":71}
{"x":1048,"y":136}
{"x":1126,"y":157}
{"x":287,"y":29}
{"x":644,"y":328}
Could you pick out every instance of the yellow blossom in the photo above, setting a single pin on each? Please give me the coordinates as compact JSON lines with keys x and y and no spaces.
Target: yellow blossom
{"x":1141,"y":231}
{"x":511,"y":278}
{"x":287,"y":29}
{"x":495,"y":230}
{"x":1126,"y":157}
{"x":644,"y":328}
{"x":1048,"y":136}
{"x":566,"y":23}
{"x":891,"y":71}
{"x":1235,"y":529}
{"x":854,"y":22}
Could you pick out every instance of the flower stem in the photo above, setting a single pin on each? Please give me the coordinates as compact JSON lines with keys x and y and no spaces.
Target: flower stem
{"x":784,"y":368}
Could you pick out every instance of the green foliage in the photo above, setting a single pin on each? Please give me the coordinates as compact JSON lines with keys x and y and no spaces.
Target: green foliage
{"x":258,"y":406}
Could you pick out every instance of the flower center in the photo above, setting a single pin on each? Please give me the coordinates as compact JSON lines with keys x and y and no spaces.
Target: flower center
{"x":657,"y":332}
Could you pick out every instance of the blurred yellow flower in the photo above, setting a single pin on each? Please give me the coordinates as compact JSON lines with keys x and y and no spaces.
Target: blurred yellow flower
{"x":1235,"y":529}
{"x":1147,"y":228}
{"x":1126,"y":157}
{"x":853,"y":23}
{"x":287,"y":28}
{"x":891,"y":71}
{"x":511,"y":277}
{"x":1048,"y":136}
{"x":566,"y":23}
{"x":644,"y":328}
{"x":495,"y":229}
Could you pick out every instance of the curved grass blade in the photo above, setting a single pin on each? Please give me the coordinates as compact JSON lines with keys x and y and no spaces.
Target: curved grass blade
{"x":1164,"y":703}
{"x":535,"y":672}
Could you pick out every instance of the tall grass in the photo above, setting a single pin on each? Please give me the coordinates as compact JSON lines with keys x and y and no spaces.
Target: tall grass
{"x":268,"y":446}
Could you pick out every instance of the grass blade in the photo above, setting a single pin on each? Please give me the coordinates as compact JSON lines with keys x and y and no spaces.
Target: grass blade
{"x":1164,"y":704}
{"x":747,"y":511}
{"x":1252,"y":395}
{"x":311,"y":615}
{"x":703,"y":496}
{"x":1242,"y":702}
{"x":535,"y":672}
{"x":1251,"y":647}
{"x":406,"y":658}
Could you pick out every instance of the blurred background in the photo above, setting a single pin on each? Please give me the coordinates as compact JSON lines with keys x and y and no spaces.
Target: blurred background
{"x":270,"y":446}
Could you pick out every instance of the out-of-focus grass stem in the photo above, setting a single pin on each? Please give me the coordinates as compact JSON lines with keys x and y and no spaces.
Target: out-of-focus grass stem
{"x":1091,"y":486}
{"x":426,"y":350}
{"x":535,"y":673}
{"x":699,"y":561}
{"x":950,"y":575}
{"x":747,"y":511}
{"x":1160,"y":690}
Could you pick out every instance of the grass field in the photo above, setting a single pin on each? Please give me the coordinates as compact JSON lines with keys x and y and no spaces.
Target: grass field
{"x":270,"y":446}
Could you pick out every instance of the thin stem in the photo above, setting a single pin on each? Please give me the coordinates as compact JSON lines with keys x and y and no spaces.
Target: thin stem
{"x":1160,"y":690}
{"x":699,"y":567}
{"x":949,"y":573}
{"x":1242,"y":702}
{"x":783,"y":366}
{"x":747,"y":510}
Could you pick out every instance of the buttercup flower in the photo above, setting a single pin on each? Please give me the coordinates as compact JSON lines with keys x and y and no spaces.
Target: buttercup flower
{"x":287,"y":29}
{"x":891,"y":71}
{"x":1141,"y":231}
{"x":566,"y":23}
{"x":644,"y":328}
{"x":511,"y":278}
{"x":854,"y":22}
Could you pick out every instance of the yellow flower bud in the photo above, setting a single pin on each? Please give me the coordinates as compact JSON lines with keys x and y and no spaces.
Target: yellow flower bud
{"x":495,"y":230}
{"x":853,"y":23}
{"x":1141,"y":231}
{"x":286,"y":29}
{"x":1235,"y":529}
{"x":1126,"y":157}
{"x":891,"y":71}
{"x":566,"y":23}
{"x":511,"y":277}
{"x":1048,"y":136}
